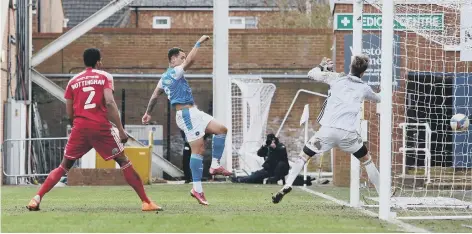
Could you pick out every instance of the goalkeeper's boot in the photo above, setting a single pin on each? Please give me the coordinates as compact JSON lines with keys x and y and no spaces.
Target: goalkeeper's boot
{"x":220,"y":171}
{"x":199,"y":196}
{"x":33,"y":205}
{"x":279,"y":195}
{"x":151,"y":207}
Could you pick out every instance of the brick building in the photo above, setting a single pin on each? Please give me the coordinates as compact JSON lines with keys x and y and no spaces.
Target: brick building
{"x":290,"y":51}
{"x":171,"y":14}
{"x":255,"y":48}
{"x":243,"y":14}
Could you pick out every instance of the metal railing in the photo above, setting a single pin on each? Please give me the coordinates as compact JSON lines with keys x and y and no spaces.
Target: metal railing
{"x":32,"y":157}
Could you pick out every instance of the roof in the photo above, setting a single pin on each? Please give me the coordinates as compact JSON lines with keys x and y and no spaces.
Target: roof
{"x":79,"y":10}
{"x":207,"y":3}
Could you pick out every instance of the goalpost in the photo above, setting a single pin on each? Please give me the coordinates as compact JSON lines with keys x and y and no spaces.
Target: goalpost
{"x":424,"y":46}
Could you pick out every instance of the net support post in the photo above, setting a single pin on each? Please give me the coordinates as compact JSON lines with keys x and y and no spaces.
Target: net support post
{"x":386,"y":109}
{"x":221,"y":78}
{"x":354,"y":195}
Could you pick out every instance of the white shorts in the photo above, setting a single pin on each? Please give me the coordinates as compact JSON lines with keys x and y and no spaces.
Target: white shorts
{"x":327,"y":138}
{"x":193,"y":122}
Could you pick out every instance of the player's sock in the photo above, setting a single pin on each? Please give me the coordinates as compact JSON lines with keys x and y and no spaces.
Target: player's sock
{"x":134,"y":181}
{"x":372,"y":173}
{"x":217,"y":149}
{"x":52,"y":179}
{"x":297,"y":167}
{"x":196,"y":166}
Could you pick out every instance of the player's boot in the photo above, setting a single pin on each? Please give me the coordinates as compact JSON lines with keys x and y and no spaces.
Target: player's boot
{"x":151,"y":207}
{"x":220,"y":171}
{"x":199,"y":196}
{"x":33,"y":205}
{"x":279,"y":195}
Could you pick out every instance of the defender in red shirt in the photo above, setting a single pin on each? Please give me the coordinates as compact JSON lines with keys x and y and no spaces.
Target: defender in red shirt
{"x":90,"y":106}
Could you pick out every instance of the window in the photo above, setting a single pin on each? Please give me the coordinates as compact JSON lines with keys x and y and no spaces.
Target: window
{"x":236,"y":22}
{"x":161,"y":22}
{"x":251,"y":22}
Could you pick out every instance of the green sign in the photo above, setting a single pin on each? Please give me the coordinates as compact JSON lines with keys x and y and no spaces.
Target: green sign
{"x":431,"y":22}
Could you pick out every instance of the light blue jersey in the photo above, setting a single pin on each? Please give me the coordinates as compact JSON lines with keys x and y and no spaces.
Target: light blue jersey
{"x":176,"y":86}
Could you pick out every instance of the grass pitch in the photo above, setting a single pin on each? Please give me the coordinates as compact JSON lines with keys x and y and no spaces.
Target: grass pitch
{"x":233,"y":208}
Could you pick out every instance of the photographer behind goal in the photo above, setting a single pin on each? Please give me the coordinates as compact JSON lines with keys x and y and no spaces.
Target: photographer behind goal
{"x":275,"y":166}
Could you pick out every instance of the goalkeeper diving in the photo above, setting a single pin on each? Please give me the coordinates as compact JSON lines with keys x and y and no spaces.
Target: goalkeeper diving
{"x":339,"y":119}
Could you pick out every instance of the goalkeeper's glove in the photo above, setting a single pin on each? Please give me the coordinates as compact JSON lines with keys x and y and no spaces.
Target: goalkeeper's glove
{"x":326,"y":65}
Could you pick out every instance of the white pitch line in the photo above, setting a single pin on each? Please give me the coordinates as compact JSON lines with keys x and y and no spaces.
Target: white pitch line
{"x":467,"y":226}
{"x":405,"y":226}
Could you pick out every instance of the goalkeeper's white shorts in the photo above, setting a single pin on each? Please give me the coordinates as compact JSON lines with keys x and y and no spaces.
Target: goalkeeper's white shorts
{"x":193,"y":122}
{"x":327,"y":138}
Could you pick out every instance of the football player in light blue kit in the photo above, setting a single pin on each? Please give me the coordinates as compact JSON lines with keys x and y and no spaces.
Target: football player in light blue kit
{"x":189,"y":118}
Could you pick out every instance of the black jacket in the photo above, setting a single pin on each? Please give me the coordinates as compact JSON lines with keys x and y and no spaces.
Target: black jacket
{"x":273,"y":156}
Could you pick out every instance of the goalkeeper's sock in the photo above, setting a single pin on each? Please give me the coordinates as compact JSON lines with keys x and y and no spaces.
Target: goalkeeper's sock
{"x":52,"y":179}
{"x":297,"y":167}
{"x":372,"y":173}
{"x":218,"y":146}
{"x":196,"y":166}
{"x":134,"y":181}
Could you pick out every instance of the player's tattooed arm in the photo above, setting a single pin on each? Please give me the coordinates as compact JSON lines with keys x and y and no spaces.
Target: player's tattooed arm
{"x":153,"y":101}
{"x":70,"y":110}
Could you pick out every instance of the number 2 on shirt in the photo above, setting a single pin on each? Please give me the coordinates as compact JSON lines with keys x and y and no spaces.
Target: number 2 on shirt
{"x":88,"y":104}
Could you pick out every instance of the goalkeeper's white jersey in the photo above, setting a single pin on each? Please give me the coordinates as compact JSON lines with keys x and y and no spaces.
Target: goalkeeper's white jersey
{"x":342,"y":107}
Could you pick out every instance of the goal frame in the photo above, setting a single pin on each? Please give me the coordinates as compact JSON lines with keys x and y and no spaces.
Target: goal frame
{"x":239,"y":81}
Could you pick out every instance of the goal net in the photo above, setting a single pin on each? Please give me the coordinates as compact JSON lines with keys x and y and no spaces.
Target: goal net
{"x":250,"y":104}
{"x":431,"y":164}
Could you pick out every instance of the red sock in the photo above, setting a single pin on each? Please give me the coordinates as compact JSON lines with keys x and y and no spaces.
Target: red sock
{"x":134,"y":181}
{"x":51,"y":180}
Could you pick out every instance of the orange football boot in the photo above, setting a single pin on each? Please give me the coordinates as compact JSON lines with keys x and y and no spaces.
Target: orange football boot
{"x":151,"y":207}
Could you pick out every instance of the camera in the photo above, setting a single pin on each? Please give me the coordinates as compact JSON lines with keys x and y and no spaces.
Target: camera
{"x":269,"y":139}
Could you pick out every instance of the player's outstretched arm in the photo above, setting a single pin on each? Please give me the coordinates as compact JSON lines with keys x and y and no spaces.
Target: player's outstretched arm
{"x":193,"y":53}
{"x":152,"y":102}
{"x":371,"y":95}
{"x":324,"y":72}
{"x":113,"y":114}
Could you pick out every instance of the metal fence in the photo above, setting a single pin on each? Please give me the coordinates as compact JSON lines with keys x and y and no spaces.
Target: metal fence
{"x":27,"y":159}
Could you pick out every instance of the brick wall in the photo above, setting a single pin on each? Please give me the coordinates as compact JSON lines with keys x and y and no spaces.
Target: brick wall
{"x":145,"y":51}
{"x":34,"y":22}
{"x":250,"y":51}
{"x":199,"y":19}
{"x":417,"y":54}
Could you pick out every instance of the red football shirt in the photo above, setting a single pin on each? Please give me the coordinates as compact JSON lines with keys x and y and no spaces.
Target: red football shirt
{"x":86,"y":89}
